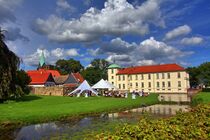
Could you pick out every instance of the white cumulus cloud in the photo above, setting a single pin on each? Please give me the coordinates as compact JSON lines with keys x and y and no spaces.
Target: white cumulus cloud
{"x":149,"y":51}
{"x":116,"y":18}
{"x":50,"y":56}
{"x":179,"y":31}
{"x":72,"y":52}
{"x":192,"y":41}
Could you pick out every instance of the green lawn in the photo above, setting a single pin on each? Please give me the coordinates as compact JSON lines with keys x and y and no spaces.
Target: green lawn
{"x":31,"y":109}
{"x":202,"y":97}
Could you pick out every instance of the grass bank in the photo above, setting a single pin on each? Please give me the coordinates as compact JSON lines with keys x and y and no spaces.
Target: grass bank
{"x":201,"y":98}
{"x":33,"y":109}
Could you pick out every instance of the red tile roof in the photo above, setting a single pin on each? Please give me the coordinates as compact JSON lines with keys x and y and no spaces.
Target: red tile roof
{"x":151,"y":69}
{"x":54,"y":73}
{"x":38,"y":77}
{"x":78,"y":77}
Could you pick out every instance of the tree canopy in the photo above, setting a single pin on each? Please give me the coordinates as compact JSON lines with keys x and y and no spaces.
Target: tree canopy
{"x":9,"y":64}
{"x":68,"y":66}
{"x":200,"y":75}
{"x":97,"y":71}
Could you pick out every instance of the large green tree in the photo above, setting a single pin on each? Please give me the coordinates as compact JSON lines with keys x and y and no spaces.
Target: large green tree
{"x":200,"y":75}
{"x":68,"y":66}
{"x":9,"y":64}
{"x":22,"y":81}
{"x":100,"y":64}
{"x":97,"y":71}
{"x":204,"y":74}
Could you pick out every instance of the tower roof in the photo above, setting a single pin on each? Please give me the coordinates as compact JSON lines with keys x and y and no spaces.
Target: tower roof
{"x":112,"y":66}
{"x":42,"y":60}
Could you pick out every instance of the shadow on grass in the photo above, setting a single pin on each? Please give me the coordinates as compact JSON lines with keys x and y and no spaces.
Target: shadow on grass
{"x":27,"y":98}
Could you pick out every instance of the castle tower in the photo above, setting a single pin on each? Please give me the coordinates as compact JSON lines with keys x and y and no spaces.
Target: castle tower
{"x":112,"y":73}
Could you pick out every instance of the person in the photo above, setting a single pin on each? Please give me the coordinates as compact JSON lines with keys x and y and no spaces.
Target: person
{"x":78,"y":95}
{"x":126,"y":95}
{"x":86,"y":94}
{"x":140,"y":94}
{"x":133,"y":95}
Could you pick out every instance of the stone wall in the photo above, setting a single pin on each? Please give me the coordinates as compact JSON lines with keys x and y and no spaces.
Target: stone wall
{"x":51,"y":91}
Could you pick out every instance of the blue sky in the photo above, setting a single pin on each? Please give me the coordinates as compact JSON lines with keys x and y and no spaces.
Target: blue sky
{"x":129,"y":32}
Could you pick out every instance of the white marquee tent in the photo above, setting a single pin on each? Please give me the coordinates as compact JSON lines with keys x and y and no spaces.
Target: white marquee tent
{"x":102,"y":84}
{"x":83,"y":87}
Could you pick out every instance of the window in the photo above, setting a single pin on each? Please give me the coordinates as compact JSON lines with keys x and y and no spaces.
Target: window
{"x":136,"y":77}
{"x":163,"y":84}
{"x":169,"y":76}
{"x":142,"y":77}
{"x":163,"y":75}
{"x":142,"y":85}
{"x":112,"y":77}
{"x":158,"y":84}
{"x":178,"y":75}
{"x":157,"y":75}
{"x":112,"y":83}
{"x":123,"y":77}
{"x":130,"y":77}
{"x":149,"y":84}
{"x":112,"y":71}
{"x":119,"y":78}
{"x":169,"y":84}
{"x":179,"y":84}
{"x":119,"y":86}
{"x":149,"y":76}
{"x":130,"y":84}
{"x":136,"y":84}
{"x":123,"y":86}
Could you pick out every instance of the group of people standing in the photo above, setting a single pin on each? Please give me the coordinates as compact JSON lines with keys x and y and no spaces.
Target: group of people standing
{"x":141,"y":93}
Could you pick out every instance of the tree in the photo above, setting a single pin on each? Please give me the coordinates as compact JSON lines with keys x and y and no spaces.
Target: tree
{"x":22,"y":80}
{"x":200,"y":75}
{"x":92,"y":75}
{"x":9,"y":64}
{"x":204,"y":74}
{"x":100,"y":63}
{"x":68,"y":66}
{"x":193,"y":73}
{"x":97,"y":71}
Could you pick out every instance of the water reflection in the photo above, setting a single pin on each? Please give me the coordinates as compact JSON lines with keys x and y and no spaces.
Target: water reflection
{"x":48,"y":130}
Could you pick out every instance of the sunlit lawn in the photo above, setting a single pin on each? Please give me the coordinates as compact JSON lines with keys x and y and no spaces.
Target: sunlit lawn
{"x":203,"y":96}
{"x":34,"y":108}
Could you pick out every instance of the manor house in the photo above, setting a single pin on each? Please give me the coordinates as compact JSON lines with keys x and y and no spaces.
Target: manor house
{"x":166,"y":78}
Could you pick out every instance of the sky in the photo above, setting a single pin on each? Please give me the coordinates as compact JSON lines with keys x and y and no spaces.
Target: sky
{"x":127,"y":32}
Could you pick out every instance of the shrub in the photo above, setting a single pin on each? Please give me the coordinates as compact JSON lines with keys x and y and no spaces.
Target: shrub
{"x":191,"y":125}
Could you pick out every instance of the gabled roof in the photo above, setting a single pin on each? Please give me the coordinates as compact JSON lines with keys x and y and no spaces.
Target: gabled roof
{"x":151,"y":69}
{"x":54,"y":73}
{"x":40,"y":77}
{"x":61,"y":79}
{"x":78,"y":77}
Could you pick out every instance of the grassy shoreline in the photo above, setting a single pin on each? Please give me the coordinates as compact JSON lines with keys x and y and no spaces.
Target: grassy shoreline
{"x":36,"y":109}
{"x":201,"y":98}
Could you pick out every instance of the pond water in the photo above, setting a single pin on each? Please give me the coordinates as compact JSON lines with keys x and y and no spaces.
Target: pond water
{"x":80,"y":128}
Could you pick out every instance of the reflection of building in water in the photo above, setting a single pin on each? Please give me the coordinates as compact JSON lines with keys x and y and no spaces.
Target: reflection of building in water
{"x":163,"y":109}
{"x":154,"y":109}
{"x":175,"y":97}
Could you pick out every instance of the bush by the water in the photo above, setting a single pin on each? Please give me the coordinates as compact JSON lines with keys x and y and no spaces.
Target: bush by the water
{"x":191,"y":125}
